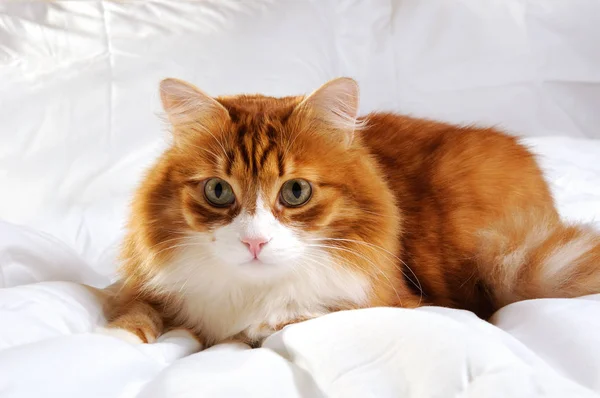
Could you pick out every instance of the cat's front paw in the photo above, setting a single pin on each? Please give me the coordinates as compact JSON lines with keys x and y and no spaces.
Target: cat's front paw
{"x":263,"y":330}
{"x":121,"y":334}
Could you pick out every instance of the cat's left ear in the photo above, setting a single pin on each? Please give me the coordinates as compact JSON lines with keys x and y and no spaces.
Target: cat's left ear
{"x":335,"y":106}
{"x":184,"y":103}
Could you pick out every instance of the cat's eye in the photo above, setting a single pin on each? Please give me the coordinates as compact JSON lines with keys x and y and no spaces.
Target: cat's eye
{"x":218,"y":192}
{"x":295,"y":192}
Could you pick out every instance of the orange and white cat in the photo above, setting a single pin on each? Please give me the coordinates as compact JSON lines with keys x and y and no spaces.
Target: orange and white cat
{"x":269,"y":211}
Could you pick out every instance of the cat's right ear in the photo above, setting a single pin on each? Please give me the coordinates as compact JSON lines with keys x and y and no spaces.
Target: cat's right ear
{"x":335,"y":106}
{"x":185,"y":104}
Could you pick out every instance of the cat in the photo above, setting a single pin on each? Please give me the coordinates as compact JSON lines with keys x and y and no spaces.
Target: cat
{"x":269,"y":211}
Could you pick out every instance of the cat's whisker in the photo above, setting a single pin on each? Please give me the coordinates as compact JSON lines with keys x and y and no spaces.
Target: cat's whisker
{"x":326,"y":259}
{"x":377,"y":247}
{"x":178,"y":238}
{"x":215,"y":156}
{"x":222,"y":134}
{"x":372,"y":275}
{"x":357,"y":253}
{"x":375,"y":267}
{"x":289,"y":144}
{"x":171,"y":247}
{"x":417,"y":282}
{"x":207,"y":131}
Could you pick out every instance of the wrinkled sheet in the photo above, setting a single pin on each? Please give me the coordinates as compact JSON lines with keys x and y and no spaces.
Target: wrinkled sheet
{"x":537,"y":348}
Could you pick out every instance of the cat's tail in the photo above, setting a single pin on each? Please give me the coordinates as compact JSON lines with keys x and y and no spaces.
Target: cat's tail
{"x":535,"y":256}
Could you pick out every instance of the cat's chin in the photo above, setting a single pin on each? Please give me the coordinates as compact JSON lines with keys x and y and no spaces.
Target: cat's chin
{"x":260,"y":270}
{"x":256,"y":263}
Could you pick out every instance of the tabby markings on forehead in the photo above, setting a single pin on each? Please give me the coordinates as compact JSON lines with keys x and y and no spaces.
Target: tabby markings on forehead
{"x":252,"y":154}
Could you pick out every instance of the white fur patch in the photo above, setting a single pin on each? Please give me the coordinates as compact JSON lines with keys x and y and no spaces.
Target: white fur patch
{"x":221,"y":302}
{"x":181,"y":337}
{"x":564,"y":257}
{"x":512,"y":262}
{"x":121,"y":334}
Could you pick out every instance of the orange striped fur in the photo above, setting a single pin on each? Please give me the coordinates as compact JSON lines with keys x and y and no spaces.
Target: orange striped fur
{"x":402,"y":212}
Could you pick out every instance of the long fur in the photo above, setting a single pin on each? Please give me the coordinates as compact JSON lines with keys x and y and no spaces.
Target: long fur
{"x":404,"y":212}
{"x":530,"y":255}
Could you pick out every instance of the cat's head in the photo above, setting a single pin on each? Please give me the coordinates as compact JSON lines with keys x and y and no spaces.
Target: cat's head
{"x":258,"y":187}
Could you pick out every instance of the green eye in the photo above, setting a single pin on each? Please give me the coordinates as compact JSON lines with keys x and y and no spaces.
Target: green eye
{"x":295,"y":193}
{"x":218,"y":192}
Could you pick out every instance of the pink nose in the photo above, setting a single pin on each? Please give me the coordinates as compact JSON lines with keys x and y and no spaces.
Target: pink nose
{"x":255,"y":244}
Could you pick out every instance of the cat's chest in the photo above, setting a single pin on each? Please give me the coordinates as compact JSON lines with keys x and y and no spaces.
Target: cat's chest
{"x":254,"y":318}
{"x":256,"y":312}
{"x":219,"y":302}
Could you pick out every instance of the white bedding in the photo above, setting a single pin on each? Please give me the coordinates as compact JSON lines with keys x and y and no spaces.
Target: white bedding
{"x":48,"y":346}
{"x":78,"y":95}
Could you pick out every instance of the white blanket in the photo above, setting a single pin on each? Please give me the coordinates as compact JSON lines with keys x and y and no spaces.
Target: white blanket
{"x":536,"y":348}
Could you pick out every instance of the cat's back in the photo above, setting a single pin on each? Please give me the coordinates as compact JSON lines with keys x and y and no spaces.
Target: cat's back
{"x":413,"y":143}
{"x":421,"y":156}
{"x":450,"y":182}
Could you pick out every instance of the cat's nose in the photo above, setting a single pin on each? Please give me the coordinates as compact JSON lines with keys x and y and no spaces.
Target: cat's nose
{"x":255,"y":244}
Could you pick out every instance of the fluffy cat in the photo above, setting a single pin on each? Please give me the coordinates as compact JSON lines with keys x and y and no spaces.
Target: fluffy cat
{"x":269,"y":211}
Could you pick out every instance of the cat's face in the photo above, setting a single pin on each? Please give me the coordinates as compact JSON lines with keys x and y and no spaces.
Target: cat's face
{"x":259,"y":187}
{"x":252,"y":204}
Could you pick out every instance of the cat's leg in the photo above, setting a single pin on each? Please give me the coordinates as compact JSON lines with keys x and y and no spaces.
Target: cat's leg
{"x":537,"y":256}
{"x":138,"y":322}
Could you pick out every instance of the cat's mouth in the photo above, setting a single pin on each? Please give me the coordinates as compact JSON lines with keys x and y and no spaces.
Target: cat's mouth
{"x":260,"y":269}
{"x":255,"y":262}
